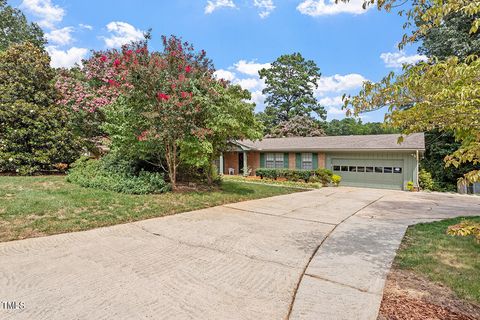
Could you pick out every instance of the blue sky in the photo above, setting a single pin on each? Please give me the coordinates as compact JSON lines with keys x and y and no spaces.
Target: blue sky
{"x":349,"y":44}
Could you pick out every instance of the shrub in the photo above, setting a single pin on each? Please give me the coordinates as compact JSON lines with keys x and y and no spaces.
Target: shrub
{"x":465,"y":228}
{"x":425,"y":180}
{"x":410,"y":186}
{"x":324,"y":175}
{"x":105,"y":174}
{"x":289,"y":174}
{"x":336,"y":179}
{"x":34,"y":131}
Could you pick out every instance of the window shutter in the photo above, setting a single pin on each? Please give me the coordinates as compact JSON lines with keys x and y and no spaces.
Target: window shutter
{"x":315,"y":161}
{"x":298,"y":160}
{"x":285,"y":160}
{"x":262,"y":160}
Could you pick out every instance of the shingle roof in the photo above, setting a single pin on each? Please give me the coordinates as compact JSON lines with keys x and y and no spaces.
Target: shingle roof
{"x":415,"y":141}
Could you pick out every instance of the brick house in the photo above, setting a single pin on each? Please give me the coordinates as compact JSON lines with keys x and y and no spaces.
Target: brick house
{"x":378,"y":161}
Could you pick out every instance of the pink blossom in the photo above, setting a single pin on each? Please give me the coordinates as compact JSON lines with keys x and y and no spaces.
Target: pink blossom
{"x":188,"y":69}
{"x":103,"y":58}
{"x":163,"y":96}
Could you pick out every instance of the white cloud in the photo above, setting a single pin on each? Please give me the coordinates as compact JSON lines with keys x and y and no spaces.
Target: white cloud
{"x":122,"y":33}
{"x":317,"y":8}
{"x":85,"y":26}
{"x":258,"y":98}
{"x":250,"y":68}
{"x":266,"y":7}
{"x":224,"y":74}
{"x":48,"y":13}
{"x":339,"y":83}
{"x":331,"y":101}
{"x":397,"y":59}
{"x":216,"y":4}
{"x":66,"y":59}
{"x":335,"y":111}
{"x":250,"y":83}
{"x":60,"y":36}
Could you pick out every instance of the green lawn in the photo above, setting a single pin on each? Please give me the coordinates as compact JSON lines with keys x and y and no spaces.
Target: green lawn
{"x":38,"y":206}
{"x":450,"y":260}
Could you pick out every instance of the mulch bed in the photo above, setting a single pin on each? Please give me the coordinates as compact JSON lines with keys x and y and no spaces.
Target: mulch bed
{"x":408,"y":296}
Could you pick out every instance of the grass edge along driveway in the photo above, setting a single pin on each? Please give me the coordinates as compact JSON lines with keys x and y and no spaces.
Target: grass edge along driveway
{"x":47,"y":205}
{"x":450,"y":260}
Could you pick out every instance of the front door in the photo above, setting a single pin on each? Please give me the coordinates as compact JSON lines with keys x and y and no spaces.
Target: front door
{"x":240,"y":162}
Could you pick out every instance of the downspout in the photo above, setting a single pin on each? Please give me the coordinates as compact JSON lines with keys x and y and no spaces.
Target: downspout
{"x":416,"y":172}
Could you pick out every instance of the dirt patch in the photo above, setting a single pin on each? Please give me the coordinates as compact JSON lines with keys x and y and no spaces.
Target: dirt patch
{"x":410,"y":296}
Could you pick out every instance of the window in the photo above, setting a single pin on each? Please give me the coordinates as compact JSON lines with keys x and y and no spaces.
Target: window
{"x":344,"y":168}
{"x":387,"y":170}
{"x":274,"y":160}
{"x":307,"y":161}
{"x":397,"y":170}
{"x":336,"y":168}
{"x":368,"y":169}
{"x":378,"y":170}
{"x":360,"y":169}
{"x":352,"y":169}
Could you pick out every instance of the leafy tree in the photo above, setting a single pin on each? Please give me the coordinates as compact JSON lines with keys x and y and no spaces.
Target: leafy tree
{"x":351,"y":126}
{"x":227,"y":117}
{"x":290,"y":84}
{"x":164,"y":108}
{"x":443,"y":96}
{"x":434,"y":95}
{"x":438,"y":146}
{"x":34,"y":130}
{"x":451,"y":38}
{"x":14,"y":28}
{"x":298,"y":126}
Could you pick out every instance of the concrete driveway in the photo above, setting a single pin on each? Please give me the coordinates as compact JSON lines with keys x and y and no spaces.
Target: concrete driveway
{"x":315,"y":255}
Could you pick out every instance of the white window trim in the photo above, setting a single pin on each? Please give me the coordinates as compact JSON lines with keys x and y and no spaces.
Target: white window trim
{"x":274,"y":160}
{"x":307,"y":161}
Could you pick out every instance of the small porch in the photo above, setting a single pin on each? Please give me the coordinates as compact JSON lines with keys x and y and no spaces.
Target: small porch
{"x":239,"y":160}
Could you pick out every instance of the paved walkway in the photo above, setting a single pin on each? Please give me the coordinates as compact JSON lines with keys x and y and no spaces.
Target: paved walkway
{"x":314,"y":255}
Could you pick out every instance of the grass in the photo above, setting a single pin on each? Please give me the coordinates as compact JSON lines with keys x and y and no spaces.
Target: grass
{"x":450,"y":260}
{"x":38,"y":206}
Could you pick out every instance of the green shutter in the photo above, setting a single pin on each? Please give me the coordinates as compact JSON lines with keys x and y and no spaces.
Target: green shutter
{"x":315,"y":161}
{"x":262,"y":160}
{"x":298,"y":160}
{"x":285,"y":160}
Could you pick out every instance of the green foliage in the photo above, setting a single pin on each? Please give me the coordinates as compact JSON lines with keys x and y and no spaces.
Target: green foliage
{"x":410,"y":186}
{"x":115,"y":175}
{"x":290,"y":84}
{"x":441,"y":96}
{"x":15,"y":29}
{"x":352,"y":126}
{"x":325,"y":175}
{"x":451,"y":38}
{"x":289,"y":174}
{"x":425,"y":180}
{"x":336,"y":179}
{"x":465,"y":228}
{"x":227,"y":117}
{"x":35,"y":133}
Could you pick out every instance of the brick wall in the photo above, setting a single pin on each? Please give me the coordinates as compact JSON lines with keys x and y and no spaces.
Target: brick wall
{"x":253,"y":161}
{"x":231,"y":161}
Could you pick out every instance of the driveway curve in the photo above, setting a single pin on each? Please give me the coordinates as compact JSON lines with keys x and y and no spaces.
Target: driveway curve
{"x":320,"y":254}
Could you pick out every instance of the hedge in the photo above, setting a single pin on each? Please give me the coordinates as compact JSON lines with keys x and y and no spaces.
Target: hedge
{"x":322,"y":175}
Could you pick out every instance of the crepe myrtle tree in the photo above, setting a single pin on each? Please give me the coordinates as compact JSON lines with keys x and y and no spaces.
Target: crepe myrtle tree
{"x":160,"y":105}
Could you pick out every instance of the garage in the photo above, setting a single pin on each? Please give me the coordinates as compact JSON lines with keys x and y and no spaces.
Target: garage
{"x":375,"y":170}
{"x":386,"y":174}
